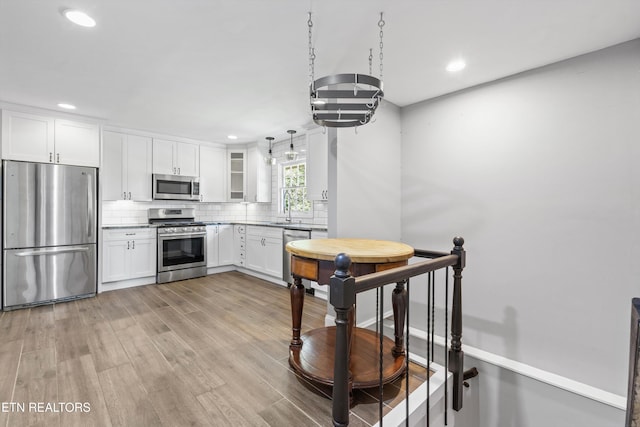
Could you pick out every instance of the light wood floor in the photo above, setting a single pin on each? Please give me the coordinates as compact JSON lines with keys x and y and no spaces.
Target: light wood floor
{"x":203,"y":352}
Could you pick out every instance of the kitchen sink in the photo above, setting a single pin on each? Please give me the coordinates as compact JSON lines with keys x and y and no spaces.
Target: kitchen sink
{"x":291,"y":224}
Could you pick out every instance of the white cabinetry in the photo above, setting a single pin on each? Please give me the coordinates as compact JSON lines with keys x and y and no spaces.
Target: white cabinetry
{"x":213,"y":174}
{"x":35,"y":138}
{"x":175,"y":158}
{"x":237,"y":175}
{"x":128,"y":254}
{"x":258,"y":177}
{"x":220,"y":248}
{"x":239,"y":245}
{"x":212,"y":245}
{"x":317,"y":165}
{"x":225,"y":244}
{"x":126,"y":167}
{"x":264,"y":250}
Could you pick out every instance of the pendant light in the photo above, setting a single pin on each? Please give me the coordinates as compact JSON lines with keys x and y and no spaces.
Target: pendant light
{"x":270,"y":160}
{"x":291,"y":155}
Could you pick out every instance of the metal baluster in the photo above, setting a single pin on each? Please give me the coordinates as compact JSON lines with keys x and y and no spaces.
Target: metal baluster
{"x":446,"y":344}
{"x":433,"y":313}
{"x":406,"y":357}
{"x":428,"y":347}
{"x":381,"y":355}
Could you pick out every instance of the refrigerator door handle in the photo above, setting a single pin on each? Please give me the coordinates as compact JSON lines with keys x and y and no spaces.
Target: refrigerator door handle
{"x":53,"y":251}
{"x":89,"y":206}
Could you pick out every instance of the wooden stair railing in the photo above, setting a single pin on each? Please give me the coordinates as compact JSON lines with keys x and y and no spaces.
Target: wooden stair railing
{"x":343,"y":290}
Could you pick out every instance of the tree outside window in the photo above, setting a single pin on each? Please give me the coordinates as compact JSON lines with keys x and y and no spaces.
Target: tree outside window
{"x":294,"y":189}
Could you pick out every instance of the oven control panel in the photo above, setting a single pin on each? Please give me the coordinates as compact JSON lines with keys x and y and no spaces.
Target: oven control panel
{"x":185,"y":229}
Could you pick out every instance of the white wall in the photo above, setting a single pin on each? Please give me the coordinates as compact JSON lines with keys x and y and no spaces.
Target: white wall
{"x":539,"y":173}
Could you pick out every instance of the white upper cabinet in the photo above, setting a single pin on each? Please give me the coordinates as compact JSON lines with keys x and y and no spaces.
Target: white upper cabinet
{"x":213,"y":174}
{"x":126,"y":167}
{"x":258,"y":177}
{"x":77,"y":143}
{"x":188,"y":159}
{"x":175,"y":158}
{"x":237,"y":168}
{"x":35,"y":138}
{"x":164,"y":157}
{"x":317,"y":165}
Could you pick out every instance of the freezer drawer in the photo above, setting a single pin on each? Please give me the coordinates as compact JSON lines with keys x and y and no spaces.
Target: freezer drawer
{"x":39,"y":275}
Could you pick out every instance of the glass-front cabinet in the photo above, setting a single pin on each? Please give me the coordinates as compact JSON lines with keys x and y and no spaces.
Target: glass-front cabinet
{"x":237,"y":175}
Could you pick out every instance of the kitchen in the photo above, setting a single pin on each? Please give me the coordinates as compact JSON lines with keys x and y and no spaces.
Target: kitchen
{"x":378,"y":197}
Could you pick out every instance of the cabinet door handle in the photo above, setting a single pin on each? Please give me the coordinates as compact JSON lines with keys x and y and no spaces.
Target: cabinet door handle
{"x":58,"y":158}
{"x":50,"y":157}
{"x":133,"y":244}
{"x":125,"y":195}
{"x":128,"y":245}
{"x":129,"y":195}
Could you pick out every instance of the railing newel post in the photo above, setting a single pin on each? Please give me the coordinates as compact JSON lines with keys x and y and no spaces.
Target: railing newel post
{"x":456,"y":355}
{"x":342,"y":296}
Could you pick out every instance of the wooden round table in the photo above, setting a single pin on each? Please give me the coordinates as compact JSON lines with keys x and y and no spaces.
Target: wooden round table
{"x":312,"y":354}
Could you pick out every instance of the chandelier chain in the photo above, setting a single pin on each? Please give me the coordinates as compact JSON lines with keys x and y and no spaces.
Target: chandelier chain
{"x":370,"y":61}
{"x":381,"y":24}
{"x":312,"y":52}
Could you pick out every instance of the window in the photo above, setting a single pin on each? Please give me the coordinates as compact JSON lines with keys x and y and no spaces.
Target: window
{"x":293,"y":194}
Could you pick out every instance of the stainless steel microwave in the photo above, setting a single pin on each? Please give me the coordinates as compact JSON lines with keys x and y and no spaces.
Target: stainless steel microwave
{"x":176,"y":187}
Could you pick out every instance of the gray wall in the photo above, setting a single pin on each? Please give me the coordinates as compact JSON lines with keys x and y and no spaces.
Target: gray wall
{"x":539,"y":172}
{"x":367,"y":182}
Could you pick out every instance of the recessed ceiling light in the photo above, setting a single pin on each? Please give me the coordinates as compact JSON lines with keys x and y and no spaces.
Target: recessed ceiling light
{"x":67,"y":106}
{"x":232,"y":137}
{"x":456,"y":65}
{"x":79,"y":18}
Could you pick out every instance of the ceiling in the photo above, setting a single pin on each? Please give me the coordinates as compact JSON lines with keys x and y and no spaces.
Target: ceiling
{"x":204,"y":69}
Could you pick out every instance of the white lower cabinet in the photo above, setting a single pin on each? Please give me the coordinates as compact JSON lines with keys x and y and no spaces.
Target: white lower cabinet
{"x":264,"y":250}
{"x":212,"y":245}
{"x":239,"y":245}
{"x":219,"y":245}
{"x":225,"y":244}
{"x":128,"y":254}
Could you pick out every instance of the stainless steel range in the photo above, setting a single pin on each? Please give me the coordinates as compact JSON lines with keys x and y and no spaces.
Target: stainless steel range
{"x":182,"y":244}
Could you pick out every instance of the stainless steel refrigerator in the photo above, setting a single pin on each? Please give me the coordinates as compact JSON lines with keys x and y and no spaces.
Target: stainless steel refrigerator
{"x":49,"y":233}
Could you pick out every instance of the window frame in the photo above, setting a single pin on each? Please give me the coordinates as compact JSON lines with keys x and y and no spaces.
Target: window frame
{"x":282,"y":190}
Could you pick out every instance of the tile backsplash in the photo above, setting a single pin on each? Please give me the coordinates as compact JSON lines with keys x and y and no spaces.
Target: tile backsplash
{"x":127,"y":212}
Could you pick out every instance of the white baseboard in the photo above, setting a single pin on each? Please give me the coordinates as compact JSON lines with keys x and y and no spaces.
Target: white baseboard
{"x":564,"y":383}
{"x":123,"y":284}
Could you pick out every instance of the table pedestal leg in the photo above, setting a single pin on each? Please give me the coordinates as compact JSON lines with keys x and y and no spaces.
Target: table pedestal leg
{"x":297,"y":302}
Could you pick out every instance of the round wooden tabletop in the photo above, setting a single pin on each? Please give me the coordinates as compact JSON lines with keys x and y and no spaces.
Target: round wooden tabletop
{"x":359,"y":250}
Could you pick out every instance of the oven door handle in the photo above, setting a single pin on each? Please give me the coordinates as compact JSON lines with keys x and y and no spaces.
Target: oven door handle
{"x":171,"y":236}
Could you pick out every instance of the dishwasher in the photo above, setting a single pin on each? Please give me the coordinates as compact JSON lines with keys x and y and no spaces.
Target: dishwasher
{"x":290,"y":236}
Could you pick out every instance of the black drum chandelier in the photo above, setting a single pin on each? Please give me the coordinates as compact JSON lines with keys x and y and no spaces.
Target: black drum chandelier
{"x":344,"y":100}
